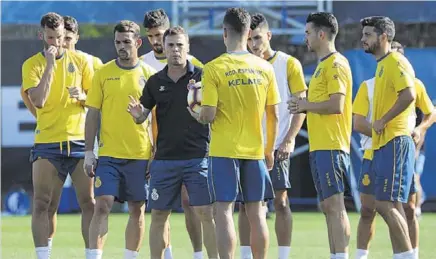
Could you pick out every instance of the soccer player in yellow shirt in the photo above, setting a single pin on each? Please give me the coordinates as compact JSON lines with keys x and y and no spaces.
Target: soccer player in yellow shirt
{"x":238,"y":88}
{"x":69,"y":43}
{"x":394,"y":151}
{"x":329,"y":116}
{"x":362,"y":110}
{"x":156,"y":22}
{"x":290,"y":80}
{"x":123,"y":151}
{"x":56,"y":81}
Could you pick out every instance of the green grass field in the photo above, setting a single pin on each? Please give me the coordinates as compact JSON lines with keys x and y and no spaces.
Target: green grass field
{"x":309,"y":238}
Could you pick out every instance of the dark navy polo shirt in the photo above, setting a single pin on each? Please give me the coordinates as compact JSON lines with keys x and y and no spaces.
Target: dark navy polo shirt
{"x":180,"y":136}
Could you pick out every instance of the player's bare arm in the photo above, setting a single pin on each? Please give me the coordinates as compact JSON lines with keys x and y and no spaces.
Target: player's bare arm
{"x":207,"y":114}
{"x":361,"y":125}
{"x":405,"y":98}
{"x":335,"y":105}
{"x":39,"y":94}
{"x":287,"y":146}
{"x":138,"y":112}
{"x":272,"y":126}
{"x":91,"y":128}
{"x":27,"y":102}
{"x":78,"y":94}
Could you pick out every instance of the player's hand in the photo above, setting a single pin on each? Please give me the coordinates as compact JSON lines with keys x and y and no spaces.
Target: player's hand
{"x":297,"y":105}
{"x":89,"y":164}
{"x":76,"y":93}
{"x":416,"y":135}
{"x":195,"y":115}
{"x":135,"y":108}
{"x":285,"y":150}
{"x":379,"y":126}
{"x":50,"y":54}
{"x":269,"y":159}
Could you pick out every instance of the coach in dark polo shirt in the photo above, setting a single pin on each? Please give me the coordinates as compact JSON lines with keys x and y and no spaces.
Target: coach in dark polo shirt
{"x":182,"y":145}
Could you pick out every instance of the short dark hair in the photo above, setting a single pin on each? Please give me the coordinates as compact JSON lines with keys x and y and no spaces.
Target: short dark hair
{"x":128,"y":26}
{"x":381,"y":24}
{"x":52,"y":20}
{"x":71,"y":24}
{"x":178,"y":30}
{"x":156,"y":18}
{"x":238,"y":19}
{"x":324,"y":20}
{"x":258,"y":20}
{"x":397,"y":45}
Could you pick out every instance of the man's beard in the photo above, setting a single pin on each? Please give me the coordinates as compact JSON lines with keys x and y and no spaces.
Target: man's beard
{"x":373,"y":48}
{"x":123,"y":55}
{"x":158,"y":49}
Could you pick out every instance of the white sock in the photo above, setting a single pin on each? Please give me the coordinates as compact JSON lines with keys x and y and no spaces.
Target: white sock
{"x":168,"y":253}
{"x":198,"y":255}
{"x":129,"y":254}
{"x":404,"y":255}
{"x":95,"y":254}
{"x":341,"y":256}
{"x":284,"y":252}
{"x":50,"y":243}
{"x":416,"y":253}
{"x":42,"y":252}
{"x":362,"y":254}
{"x":332,"y":256}
{"x":246,"y":252}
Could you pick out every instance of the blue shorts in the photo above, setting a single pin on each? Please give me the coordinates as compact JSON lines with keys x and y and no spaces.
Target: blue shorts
{"x":167,"y":177}
{"x":64,"y":156}
{"x":122,"y":178}
{"x":393,"y":166}
{"x":367,"y":178}
{"x":244,"y":180}
{"x":280,"y":174}
{"x":330,"y":168}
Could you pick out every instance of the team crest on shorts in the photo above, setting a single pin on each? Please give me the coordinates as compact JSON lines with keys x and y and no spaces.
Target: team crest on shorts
{"x":142,"y":81}
{"x":366,"y":181}
{"x":71,"y":68}
{"x":154,"y":195}
{"x":97,"y":183}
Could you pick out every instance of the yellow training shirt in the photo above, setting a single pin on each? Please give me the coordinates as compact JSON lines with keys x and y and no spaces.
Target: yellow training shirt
{"x":330,"y":131}
{"x":120,"y":136}
{"x":394,"y":73}
{"x":240,"y":85}
{"x":62,"y":118}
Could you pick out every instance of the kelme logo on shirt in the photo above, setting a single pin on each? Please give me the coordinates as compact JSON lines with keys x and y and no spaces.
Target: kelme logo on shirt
{"x":71,"y":68}
{"x":380,"y":73}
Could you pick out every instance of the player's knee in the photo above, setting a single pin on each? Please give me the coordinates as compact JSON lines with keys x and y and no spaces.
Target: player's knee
{"x":41,"y":204}
{"x":409,"y":210}
{"x":102,"y":208}
{"x":159,"y":216}
{"x":333,"y":204}
{"x":136,"y":210}
{"x":205,"y":213}
{"x":52,"y":209}
{"x":367,"y":213}
{"x":281,"y":204}
{"x":87,"y":205}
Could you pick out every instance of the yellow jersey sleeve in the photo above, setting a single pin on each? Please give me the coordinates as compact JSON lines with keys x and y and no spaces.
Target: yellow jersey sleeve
{"x":337,"y":77}
{"x":423,"y":101}
{"x":361,"y":101}
{"x":94,"y":97}
{"x":97,"y":63}
{"x":401,"y":77}
{"x":210,"y":87}
{"x":295,"y":74}
{"x":196,"y":62}
{"x":30,"y":74}
{"x":87,"y":75}
{"x":273,"y":94}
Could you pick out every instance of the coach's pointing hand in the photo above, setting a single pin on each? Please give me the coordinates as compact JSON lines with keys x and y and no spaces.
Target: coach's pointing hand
{"x":90,"y":163}
{"x":135,"y":108}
